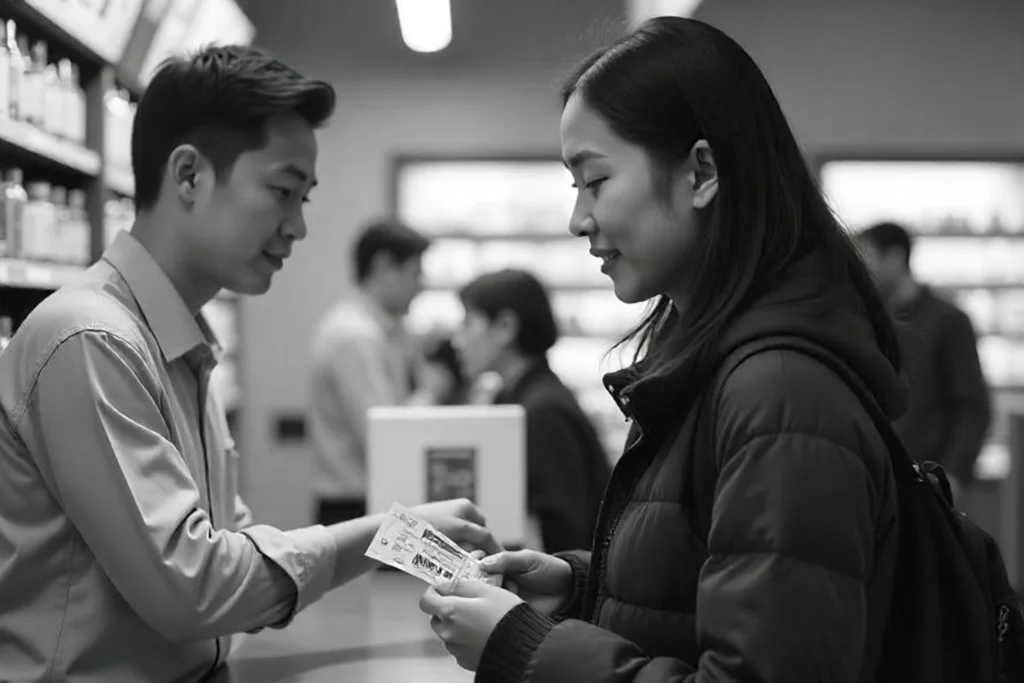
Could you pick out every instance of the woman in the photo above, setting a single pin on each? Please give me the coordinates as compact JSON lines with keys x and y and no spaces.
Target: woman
{"x":508,"y":329}
{"x":749,"y":530}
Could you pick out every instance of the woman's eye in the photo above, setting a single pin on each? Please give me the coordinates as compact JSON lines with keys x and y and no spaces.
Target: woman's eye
{"x":589,"y":185}
{"x":282,"y":192}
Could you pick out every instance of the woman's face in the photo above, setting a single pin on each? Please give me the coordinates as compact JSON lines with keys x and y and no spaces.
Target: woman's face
{"x":644,"y":238}
{"x":479,"y":344}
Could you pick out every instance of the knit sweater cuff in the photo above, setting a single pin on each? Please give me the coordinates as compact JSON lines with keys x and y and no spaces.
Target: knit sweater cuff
{"x":580,"y":572}
{"x":510,"y":647}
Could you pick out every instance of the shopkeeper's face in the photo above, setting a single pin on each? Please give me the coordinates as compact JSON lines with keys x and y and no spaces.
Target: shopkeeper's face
{"x":478,"y":344}
{"x":245,"y":223}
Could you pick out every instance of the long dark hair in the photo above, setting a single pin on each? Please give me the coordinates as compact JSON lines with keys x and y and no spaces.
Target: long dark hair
{"x":674,"y":81}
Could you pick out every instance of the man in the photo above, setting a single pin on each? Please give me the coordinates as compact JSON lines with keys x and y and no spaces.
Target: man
{"x":948,"y":413}
{"x":362,"y":358}
{"x":126,"y":553}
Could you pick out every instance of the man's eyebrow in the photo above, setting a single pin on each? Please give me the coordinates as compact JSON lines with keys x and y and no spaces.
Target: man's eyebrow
{"x":298,"y":173}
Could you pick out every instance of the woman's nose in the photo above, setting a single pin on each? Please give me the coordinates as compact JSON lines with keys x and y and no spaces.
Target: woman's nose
{"x":583,"y":226}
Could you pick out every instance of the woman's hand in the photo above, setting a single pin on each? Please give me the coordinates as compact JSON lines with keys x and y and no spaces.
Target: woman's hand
{"x":464,"y":615}
{"x":544,"y":581}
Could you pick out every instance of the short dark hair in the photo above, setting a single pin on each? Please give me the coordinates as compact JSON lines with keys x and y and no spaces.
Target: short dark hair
{"x":887,"y":236}
{"x":390,"y":237}
{"x":521,"y":294}
{"x":220,"y":100}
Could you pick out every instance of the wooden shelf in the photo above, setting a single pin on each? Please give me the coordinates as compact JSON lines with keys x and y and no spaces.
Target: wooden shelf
{"x":36,"y":275}
{"x":120,"y":180}
{"x":28,"y":138}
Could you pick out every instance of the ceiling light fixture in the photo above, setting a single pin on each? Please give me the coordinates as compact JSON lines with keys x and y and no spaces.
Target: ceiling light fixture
{"x":426,"y":24}
{"x":638,"y":11}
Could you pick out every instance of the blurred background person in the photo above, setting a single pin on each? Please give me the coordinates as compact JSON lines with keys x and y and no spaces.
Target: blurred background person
{"x":362,"y":357}
{"x":949,"y":411}
{"x":441,"y":363}
{"x":508,"y":329}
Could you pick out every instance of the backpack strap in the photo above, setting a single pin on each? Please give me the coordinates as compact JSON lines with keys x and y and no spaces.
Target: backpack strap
{"x":702,"y":475}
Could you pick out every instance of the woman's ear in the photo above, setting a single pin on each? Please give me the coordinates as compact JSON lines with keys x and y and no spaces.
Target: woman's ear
{"x":506,"y":325}
{"x":704,"y":177}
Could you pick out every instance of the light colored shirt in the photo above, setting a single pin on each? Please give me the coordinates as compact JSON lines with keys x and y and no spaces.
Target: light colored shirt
{"x":126,"y":553}
{"x":360,"y":359}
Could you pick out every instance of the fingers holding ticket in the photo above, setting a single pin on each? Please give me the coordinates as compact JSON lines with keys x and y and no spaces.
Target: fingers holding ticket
{"x":413,"y":545}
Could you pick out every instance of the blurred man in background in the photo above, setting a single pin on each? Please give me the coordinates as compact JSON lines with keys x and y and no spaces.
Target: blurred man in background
{"x":362,"y":358}
{"x":949,"y":408}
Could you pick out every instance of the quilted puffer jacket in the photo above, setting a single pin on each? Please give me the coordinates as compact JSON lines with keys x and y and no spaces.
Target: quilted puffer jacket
{"x":748,"y":532}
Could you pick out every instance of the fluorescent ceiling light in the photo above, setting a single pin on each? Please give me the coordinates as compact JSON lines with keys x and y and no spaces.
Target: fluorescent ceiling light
{"x":426,"y":24}
{"x":640,"y":11}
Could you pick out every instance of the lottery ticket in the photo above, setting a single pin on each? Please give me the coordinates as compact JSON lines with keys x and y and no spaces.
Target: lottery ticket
{"x":406,"y":542}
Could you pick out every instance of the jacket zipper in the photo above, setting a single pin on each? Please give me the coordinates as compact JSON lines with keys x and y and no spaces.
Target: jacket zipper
{"x":1001,"y":629}
{"x":607,"y":541}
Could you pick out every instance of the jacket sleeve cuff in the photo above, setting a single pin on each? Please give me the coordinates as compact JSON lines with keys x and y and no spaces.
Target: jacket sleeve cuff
{"x":306,"y":555}
{"x":511,"y":646}
{"x":579,"y":561}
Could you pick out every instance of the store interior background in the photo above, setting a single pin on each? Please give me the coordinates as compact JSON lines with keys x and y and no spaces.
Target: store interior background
{"x":854,"y":77}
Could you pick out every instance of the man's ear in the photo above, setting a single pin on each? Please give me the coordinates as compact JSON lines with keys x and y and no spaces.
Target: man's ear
{"x":382,"y":262}
{"x":185,"y":165}
{"x":704,"y":176}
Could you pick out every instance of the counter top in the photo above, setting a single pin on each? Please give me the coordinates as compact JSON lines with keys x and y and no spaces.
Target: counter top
{"x":369,"y":631}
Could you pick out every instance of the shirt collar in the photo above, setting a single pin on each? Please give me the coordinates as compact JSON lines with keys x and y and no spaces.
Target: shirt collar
{"x":176,"y":330}
{"x":392,"y":325}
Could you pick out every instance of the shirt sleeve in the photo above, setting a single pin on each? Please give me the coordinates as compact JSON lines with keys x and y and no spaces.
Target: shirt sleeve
{"x":359,"y":371}
{"x":103,"y":446}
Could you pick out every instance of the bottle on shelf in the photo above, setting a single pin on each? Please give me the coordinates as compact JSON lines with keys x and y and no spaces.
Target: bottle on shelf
{"x":76,"y":111}
{"x":117,"y":127}
{"x":13,"y":199}
{"x":27,"y":86}
{"x":5,"y":73}
{"x":53,"y":101}
{"x":37,"y":85}
{"x":6,"y":332}
{"x":57,"y":247}
{"x":16,"y":73}
{"x":77,"y":233}
{"x":37,"y":222}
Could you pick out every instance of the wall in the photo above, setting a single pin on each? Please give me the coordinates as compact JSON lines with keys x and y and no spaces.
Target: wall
{"x":853,"y":75}
{"x":876,"y":75}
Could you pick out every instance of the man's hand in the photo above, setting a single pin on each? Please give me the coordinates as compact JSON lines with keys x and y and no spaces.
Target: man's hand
{"x":461,"y":521}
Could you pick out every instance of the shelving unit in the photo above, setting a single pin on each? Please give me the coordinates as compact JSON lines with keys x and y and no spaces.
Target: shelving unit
{"x":45,"y":277}
{"x":49,"y":149}
{"x":968,"y":218}
{"x":110,"y":43}
{"x":492,"y":212}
